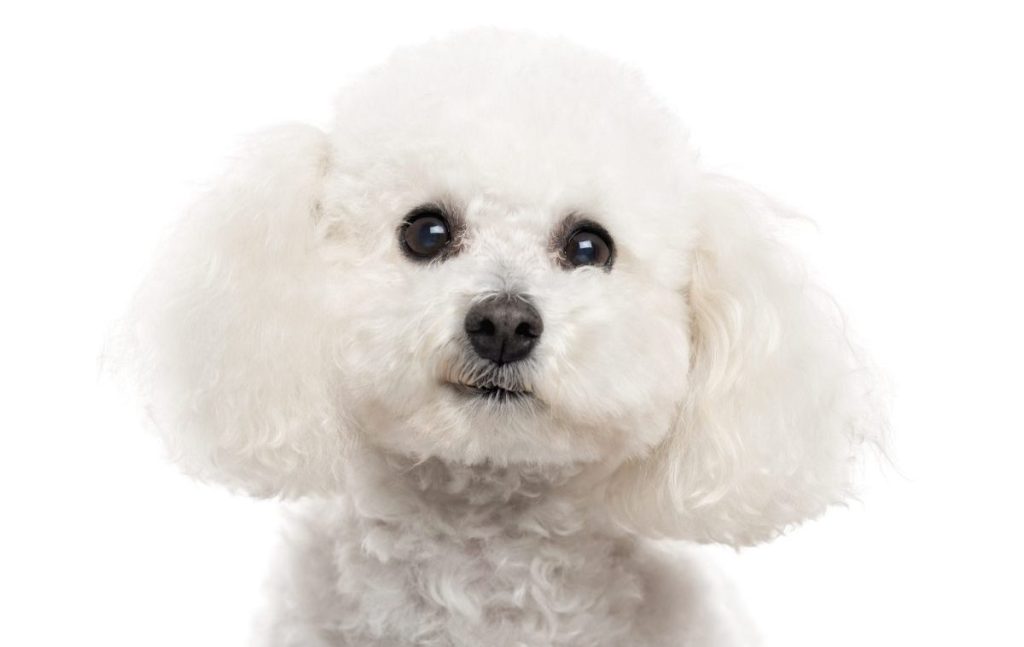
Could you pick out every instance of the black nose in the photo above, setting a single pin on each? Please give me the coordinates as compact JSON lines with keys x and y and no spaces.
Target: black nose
{"x":503,"y":329}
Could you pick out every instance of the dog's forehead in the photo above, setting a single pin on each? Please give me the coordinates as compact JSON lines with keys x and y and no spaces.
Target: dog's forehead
{"x":523,"y":119}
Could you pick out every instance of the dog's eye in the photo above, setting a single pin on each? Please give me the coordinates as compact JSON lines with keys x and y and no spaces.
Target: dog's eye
{"x":588,"y":246}
{"x":425,"y":233}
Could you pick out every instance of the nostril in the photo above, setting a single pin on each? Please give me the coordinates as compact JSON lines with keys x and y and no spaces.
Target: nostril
{"x":525,"y":329}
{"x":477,"y":324}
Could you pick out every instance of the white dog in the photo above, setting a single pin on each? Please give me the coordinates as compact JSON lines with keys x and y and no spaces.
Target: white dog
{"x":496,"y":332}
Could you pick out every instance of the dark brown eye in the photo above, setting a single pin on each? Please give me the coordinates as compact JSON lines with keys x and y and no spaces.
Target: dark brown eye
{"x":589,"y":246}
{"x":425,"y":233}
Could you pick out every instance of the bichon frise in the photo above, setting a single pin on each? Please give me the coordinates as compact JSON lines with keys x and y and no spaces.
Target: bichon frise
{"x":497,"y":333}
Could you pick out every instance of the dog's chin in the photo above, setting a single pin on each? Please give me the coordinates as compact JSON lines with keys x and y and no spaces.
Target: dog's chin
{"x":471,"y":424}
{"x":476,"y":412}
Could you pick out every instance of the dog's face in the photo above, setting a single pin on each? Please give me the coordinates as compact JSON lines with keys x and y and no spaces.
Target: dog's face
{"x":503,"y":252}
{"x":484,"y":329}
{"x":520,"y":286}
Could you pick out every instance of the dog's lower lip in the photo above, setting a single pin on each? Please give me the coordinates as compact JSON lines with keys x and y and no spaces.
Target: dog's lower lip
{"x":489,"y":392}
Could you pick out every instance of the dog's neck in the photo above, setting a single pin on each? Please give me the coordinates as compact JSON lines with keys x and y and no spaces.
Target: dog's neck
{"x":463,"y":497}
{"x":445,"y":551}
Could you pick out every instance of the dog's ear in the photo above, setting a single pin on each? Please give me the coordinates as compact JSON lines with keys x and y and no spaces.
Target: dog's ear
{"x":777,"y":401}
{"x":230,"y":335}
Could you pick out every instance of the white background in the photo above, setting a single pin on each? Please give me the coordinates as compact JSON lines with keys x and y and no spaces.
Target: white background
{"x":896,"y":126}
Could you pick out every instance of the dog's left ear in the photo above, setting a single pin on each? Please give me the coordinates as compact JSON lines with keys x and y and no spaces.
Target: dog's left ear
{"x":778,"y":402}
{"x":230,"y":337}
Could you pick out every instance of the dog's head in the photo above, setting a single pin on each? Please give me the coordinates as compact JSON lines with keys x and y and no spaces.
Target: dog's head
{"x":504,"y":251}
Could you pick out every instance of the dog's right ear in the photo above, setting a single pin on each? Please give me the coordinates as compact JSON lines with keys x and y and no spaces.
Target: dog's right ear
{"x":229,"y":337}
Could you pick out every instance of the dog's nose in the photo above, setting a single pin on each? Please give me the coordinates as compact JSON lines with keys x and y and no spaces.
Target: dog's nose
{"x":503,"y":329}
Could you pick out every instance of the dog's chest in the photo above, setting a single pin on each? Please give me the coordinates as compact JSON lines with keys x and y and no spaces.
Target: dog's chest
{"x":516,"y":574}
{"x":501,"y":590}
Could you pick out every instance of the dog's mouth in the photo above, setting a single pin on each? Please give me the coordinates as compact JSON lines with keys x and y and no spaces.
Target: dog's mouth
{"x":485,"y":381}
{"x":491,"y":391}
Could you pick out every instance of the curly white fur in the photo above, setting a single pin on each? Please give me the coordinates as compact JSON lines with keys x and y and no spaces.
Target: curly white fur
{"x":702,"y":389}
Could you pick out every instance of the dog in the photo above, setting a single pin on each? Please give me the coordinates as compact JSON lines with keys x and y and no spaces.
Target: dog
{"x":498,"y":337}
